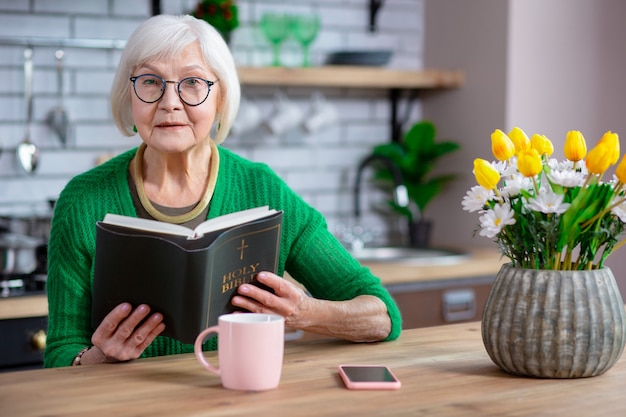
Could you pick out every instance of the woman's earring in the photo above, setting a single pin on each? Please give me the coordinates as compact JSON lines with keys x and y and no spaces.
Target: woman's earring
{"x":135,"y":128}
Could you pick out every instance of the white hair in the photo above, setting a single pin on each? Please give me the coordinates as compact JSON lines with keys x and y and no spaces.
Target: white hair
{"x":163,"y":37}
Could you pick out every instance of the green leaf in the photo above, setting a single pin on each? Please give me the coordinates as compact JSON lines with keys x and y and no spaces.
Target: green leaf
{"x":420,"y":138}
{"x":416,"y":157}
{"x":587,"y":203}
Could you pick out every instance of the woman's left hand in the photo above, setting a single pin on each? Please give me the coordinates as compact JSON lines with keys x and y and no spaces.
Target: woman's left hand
{"x":361,"y":319}
{"x":288,"y":300}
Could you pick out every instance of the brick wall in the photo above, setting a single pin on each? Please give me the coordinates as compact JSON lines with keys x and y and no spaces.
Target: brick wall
{"x":319,"y":166}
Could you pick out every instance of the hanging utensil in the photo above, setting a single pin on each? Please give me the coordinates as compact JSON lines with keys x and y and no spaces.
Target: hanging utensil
{"x":27,"y":152}
{"x":58,"y":119}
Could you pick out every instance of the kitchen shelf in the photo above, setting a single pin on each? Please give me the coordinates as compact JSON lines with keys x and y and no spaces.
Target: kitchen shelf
{"x":339,"y":76}
{"x":351,"y":77}
{"x":333,"y":76}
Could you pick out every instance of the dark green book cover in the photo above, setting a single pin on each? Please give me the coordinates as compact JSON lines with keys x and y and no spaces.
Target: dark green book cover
{"x":189,"y":281}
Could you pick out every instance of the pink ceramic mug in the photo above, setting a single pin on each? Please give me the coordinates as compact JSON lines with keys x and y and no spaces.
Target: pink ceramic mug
{"x":250,"y":350}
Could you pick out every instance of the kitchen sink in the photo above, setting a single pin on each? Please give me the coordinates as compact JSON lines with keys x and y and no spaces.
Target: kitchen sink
{"x":409,"y":256}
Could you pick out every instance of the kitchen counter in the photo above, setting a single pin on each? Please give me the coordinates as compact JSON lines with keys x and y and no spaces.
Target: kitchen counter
{"x":444,"y":371}
{"x":481,"y":263}
{"x":23,"y":307}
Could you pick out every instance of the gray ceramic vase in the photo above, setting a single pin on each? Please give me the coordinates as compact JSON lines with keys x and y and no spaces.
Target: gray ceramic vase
{"x":554,"y":324}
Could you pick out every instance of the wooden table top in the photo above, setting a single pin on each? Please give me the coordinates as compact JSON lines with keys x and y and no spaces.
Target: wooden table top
{"x":444,"y":370}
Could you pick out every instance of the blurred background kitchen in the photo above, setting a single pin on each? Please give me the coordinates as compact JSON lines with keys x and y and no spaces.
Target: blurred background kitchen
{"x":545,"y":66}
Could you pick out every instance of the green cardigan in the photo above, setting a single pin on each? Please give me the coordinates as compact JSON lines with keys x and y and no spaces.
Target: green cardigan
{"x":309,"y":252}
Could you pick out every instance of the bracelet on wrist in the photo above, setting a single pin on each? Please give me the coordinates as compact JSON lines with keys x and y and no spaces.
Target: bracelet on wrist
{"x":79,"y":356}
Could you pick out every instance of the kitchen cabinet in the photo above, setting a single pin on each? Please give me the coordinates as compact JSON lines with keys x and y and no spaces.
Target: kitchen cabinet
{"x":23,"y":325}
{"x":441,"y":294}
{"x":441,"y":302}
{"x":23,"y":342}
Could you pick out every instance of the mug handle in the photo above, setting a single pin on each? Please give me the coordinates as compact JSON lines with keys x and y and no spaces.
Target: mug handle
{"x":197,"y":348}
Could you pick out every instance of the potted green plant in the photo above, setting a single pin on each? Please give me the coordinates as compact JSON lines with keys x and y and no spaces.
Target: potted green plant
{"x":221,"y":14}
{"x":416,"y":156}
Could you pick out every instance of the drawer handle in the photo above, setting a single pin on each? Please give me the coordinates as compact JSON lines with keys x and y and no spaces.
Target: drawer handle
{"x":38,"y":341}
{"x":459,"y":305}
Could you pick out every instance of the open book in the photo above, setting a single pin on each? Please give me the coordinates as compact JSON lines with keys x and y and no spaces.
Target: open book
{"x":187,"y":275}
{"x":211,"y":225}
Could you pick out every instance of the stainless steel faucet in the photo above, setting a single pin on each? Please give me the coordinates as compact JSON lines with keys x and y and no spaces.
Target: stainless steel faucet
{"x":357,"y":236}
{"x":401,"y":195}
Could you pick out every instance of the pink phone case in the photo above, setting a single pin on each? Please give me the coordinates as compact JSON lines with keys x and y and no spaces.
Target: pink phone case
{"x":368,"y":377}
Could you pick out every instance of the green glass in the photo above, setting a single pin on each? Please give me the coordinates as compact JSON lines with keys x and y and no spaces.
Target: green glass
{"x":275,"y":28}
{"x":304,"y":29}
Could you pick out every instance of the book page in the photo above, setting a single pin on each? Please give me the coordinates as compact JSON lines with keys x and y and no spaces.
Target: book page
{"x":147,"y":225}
{"x":222,"y":222}
{"x":229,"y":220}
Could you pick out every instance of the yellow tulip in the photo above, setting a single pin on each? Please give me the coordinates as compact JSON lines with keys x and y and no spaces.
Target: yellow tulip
{"x":529,"y":162}
{"x":575,"y":147}
{"x":501,"y":146}
{"x":599,"y":158}
{"x":520,"y":139}
{"x":486,"y":175}
{"x":620,"y":171}
{"x":542,"y":144}
{"x":612,"y":140}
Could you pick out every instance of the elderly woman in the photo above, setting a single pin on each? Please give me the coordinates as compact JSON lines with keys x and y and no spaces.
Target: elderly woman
{"x":177,"y":88}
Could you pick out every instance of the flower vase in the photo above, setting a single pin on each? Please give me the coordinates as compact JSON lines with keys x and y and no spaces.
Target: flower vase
{"x":419,"y":233}
{"x":553,"y":323}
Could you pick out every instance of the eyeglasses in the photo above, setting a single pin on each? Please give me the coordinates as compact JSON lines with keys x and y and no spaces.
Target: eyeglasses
{"x":193,"y":91}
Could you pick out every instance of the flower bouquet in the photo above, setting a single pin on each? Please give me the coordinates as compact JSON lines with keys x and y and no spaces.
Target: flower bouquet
{"x":550,"y":214}
{"x":221,"y":14}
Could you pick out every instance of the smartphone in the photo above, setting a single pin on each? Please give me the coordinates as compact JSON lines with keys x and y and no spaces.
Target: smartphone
{"x":368,"y":377}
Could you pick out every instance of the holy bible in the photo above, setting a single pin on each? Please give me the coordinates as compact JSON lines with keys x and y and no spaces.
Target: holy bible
{"x":187,"y":275}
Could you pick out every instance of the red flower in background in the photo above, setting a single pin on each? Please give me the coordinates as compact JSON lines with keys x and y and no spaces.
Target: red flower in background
{"x":221,"y":14}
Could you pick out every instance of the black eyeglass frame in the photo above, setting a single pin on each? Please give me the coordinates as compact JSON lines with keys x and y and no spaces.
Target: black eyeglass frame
{"x":209,"y":85}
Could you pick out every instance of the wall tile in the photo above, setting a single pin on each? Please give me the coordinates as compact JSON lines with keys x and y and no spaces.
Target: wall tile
{"x":72,"y":6}
{"x":35,"y":25}
{"x":12,"y":5}
{"x":141,"y":8}
{"x":106,"y":28}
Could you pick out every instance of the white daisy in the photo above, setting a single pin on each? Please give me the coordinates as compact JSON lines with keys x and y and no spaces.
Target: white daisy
{"x":548,"y":202}
{"x":567,"y":178}
{"x":508,"y":170}
{"x":556,"y":165}
{"x":492,"y":222}
{"x":513,"y":186}
{"x":476,"y":198}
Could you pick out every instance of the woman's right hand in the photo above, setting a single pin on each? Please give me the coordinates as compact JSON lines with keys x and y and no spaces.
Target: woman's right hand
{"x":121,"y":337}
